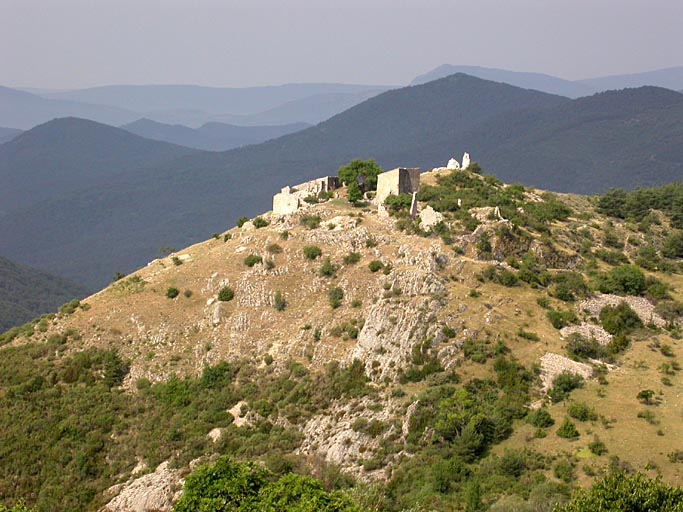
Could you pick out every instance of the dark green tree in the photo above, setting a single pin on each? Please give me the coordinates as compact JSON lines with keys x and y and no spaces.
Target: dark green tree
{"x":355,"y":195}
{"x":364,"y":172}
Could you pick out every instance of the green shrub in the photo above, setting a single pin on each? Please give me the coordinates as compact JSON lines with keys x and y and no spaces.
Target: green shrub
{"x":564,"y":470}
{"x":335,"y":296}
{"x":252,"y":260}
{"x":176,"y":261}
{"x":561,"y":319}
{"x":620,"y":319}
{"x":279,"y":302}
{"x":312,"y":252}
{"x":567,"y":430}
{"x":627,"y":492}
{"x":540,"y":418}
{"x":673,"y":245}
{"x":328,"y":269}
{"x":172,"y":292}
{"x":646,"y":396}
{"x":624,"y":279}
{"x":274,"y":249}
{"x":241,"y":221}
{"x":563,"y":384}
{"x":260,"y":222}
{"x":581,"y":411}
{"x":226,"y":294}
{"x":375,"y":265}
{"x":351,"y":258}
{"x":310,"y":221}
{"x":597,"y":447}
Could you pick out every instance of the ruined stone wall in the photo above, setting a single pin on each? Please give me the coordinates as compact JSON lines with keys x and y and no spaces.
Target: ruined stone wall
{"x":397,"y":181}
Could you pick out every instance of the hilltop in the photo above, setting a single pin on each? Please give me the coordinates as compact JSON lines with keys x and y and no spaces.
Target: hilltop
{"x":345,"y":343}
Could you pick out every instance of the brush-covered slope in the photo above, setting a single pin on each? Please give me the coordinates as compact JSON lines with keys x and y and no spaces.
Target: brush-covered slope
{"x":338,"y":338}
{"x":210,"y":136}
{"x":26,"y":293}
{"x":70,"y":154}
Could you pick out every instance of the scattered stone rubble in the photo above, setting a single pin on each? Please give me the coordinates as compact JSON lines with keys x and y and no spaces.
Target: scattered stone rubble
{"x":640,"y":305}
{"x":553,"y":365}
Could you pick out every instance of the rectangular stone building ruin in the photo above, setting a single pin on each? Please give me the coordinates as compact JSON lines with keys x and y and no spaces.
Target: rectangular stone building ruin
{"x":397,"y":181}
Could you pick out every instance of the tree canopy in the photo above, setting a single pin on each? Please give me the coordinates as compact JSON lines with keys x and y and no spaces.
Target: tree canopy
{"x":363,"y":171}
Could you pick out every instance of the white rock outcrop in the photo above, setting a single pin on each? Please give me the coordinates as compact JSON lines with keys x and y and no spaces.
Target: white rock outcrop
{"x":465,"y":161}
{"x":154,"y":492}
{"x":453,"y":164}
{"x":553,"y":365}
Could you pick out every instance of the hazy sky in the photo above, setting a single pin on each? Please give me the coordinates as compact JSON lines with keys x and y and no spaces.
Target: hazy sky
{"x":78,"y":43}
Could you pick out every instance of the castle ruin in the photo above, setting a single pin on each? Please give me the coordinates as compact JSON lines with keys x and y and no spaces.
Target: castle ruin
{"x":290,"y":199}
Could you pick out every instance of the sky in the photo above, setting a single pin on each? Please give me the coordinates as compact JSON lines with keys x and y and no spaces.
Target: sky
{"x":58,"y":44}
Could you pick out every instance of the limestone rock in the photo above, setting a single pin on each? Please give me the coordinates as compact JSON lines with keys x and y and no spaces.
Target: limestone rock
{"x":588,"y":331}
{"x":640,"y":305}
{"x":154,"y":492}
{"x":453,"y":164}
{"x":429,"y":218}
{"x":465,"y":161}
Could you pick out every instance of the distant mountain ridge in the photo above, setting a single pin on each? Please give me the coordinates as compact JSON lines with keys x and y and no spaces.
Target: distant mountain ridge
{"x":537,"y":81}
{"x":670,"y":78}
{"x":210,"y":136}
{"x":70,"y":154}
{"x":27,"y":293}
{"x":22,"y":110}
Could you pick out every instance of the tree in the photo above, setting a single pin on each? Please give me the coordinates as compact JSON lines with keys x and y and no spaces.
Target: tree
{"x":365,"y":171}
{"x":619,"y":491}
{"x":355,"y":195}
{"x":645,"y":396}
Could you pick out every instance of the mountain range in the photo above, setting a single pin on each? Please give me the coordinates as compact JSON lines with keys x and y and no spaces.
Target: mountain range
{"x":624,"y":139}
{"x":669,"y":78}
{"x":210,"y":136}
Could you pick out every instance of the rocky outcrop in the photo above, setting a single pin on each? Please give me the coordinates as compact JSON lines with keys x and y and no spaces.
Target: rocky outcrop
{"x":154,"y":492}
{"x":587,"y":331}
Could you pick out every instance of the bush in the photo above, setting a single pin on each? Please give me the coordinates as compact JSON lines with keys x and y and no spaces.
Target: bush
{"x":279,"y":302}
{"x":561,"y":319}
{"x":310,"y":221}
{"x":673,"y":245}
{"x":567,"y":430}
{"x":627,"y":492}
{"x":328,"y":269}
{"x":260,"y":222}
{"x":597,"y":447}
{"x":646,"y":396}
{"x":375,"y":265}
{"x":540,"y":418}
{"x":172,"y":293}
{"x":226,"y":294}
{"x":351,"y":258}
{"x":564,"y":383}
{"x":241,"y":221}
{"x":582,"y":412}
{"x":252,"y":260}
{"x":624,"y":279}
{"x":274,"y":249}
{"x":564,"y":471}
{"x":335,"y":295}
{"x":620,"y":319}
{"x":312,"y":252}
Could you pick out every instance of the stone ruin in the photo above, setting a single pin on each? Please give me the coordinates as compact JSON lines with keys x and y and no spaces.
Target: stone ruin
{"x":290,"y":199}
{"x":397,"y":181}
